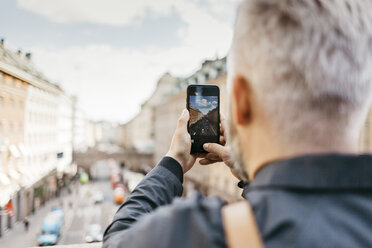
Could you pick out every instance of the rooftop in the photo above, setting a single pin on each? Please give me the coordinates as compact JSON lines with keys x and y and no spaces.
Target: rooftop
{"x":23,"y":62}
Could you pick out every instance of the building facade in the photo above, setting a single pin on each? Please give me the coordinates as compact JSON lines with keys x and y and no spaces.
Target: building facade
{"x":80,"y":128}
{"x":64,"y":133}
{"x":35,"y":136}
{"x":12,"y":121}
{"x":139,"y":133}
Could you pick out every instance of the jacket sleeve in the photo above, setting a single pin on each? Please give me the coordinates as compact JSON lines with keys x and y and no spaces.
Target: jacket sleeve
{"x":159,"y":187}
{"x":191,"y":222}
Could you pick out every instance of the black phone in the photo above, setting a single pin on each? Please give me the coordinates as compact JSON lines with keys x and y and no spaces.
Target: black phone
{"x":203,"y":103}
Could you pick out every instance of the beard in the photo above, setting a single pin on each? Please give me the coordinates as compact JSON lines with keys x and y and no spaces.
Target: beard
{"x":237,"y":154}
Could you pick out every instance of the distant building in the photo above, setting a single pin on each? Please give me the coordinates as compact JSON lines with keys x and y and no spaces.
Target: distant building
{"x":64,"y":133}
{"x":139,"y":133}
{"x":81,"y":131}
{"x":35,"y":135}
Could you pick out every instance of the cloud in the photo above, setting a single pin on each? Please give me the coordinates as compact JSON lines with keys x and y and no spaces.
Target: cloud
{"x":112,"y":83}
{"x":111,"y":12}
{"x":202,"y":102}
{"x":204,"y":105}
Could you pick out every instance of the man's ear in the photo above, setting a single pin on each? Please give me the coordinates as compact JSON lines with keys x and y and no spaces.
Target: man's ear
{"x":241,"y":97}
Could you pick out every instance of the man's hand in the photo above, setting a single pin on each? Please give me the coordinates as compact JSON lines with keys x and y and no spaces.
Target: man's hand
{"x":181,"y":144}
{"x":219,"y":152}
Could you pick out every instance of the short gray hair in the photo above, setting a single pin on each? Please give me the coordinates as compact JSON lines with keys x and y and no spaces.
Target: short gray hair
{"x":307,"y":60}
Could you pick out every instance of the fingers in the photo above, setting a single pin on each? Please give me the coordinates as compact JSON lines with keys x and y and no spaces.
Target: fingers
{"x":212,"y":156}
{"x":206,"y":161}
{"x":214,"y":148}
{"x":184,"y":118}
{"x":222,"y":140}
{"x":223,"y":125}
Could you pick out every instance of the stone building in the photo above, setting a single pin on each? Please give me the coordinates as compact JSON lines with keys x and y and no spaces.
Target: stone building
{"x":139,"y":132}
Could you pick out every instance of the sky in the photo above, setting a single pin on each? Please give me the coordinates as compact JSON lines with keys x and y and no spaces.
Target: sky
{"x":110,"y":53}
{"x":204,"y":103}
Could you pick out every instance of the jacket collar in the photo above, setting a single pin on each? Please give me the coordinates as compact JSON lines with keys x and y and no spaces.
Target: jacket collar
{"x":316,"y":172}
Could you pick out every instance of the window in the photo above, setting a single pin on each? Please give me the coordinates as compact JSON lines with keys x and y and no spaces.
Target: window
{"x":9,"y":80}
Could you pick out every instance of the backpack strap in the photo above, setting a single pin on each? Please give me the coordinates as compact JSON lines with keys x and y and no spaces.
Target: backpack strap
{"x":240,"y":226}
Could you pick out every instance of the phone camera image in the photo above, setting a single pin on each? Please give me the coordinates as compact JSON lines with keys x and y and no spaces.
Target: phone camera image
{"x":203,"y":115}
{"x":204,"y":123}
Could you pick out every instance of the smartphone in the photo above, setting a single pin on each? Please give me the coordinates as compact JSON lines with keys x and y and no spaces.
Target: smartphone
{"x":203,"y":103}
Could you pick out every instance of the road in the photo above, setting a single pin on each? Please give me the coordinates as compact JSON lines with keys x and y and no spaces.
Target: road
{"x":80,"y":211}
{"x":84,"y":212}
{"x":203,"y":127}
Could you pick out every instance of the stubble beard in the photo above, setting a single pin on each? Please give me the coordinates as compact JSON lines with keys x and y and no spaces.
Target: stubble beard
{"x":237,"y":154}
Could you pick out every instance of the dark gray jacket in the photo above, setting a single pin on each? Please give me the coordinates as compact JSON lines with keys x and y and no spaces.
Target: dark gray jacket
{"x":309,"y":201}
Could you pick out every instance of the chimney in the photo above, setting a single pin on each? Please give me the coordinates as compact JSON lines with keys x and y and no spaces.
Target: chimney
{"x":2,"y":42}
{"x":28,"y":56}
{"x":19,"y":51}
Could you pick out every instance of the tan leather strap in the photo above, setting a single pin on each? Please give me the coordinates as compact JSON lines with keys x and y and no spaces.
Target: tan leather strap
{"x":240,"y":226}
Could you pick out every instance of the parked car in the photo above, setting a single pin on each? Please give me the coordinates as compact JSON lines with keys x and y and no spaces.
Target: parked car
{"x":98,"y":197}
{"x":51,"y":228}
{"x":94,"y":233}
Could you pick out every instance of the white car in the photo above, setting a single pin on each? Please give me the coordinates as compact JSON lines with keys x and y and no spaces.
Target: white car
{"x":94,"y":233}
{"x":98,"y":197}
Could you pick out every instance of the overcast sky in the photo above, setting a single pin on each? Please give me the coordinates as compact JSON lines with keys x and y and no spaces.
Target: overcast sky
{"x":110,"y":53}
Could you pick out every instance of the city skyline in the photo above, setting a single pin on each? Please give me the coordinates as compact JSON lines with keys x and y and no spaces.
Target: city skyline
{"x":111,"y":54}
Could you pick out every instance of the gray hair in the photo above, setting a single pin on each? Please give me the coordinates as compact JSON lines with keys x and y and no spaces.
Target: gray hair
{"x":308,"y":61}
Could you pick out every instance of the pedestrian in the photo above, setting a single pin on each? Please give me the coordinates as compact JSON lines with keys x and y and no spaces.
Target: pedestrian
{"x":300,"y":86}
{"x":26,"y":223}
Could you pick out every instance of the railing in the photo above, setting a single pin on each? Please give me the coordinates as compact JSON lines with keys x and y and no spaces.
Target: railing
{"x":93,"y":245}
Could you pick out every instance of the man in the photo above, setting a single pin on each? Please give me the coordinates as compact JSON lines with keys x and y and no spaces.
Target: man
{"x":299,"y":80}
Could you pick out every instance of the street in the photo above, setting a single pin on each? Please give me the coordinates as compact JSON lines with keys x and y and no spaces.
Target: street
{"x":203,"y":127}
{"x":79,"y":209}
{"x":85,"y":212}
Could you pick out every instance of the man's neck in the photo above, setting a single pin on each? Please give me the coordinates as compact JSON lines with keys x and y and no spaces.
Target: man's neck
{"x":264,"y":149}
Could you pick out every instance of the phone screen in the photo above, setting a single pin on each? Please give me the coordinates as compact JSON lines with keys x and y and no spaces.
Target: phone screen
{"x":204,"y":108}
